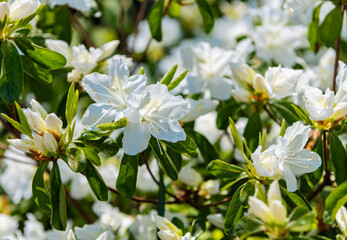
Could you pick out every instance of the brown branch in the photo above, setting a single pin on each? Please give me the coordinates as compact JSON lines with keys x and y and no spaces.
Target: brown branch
{"x":271,"y":115}
{"x":76,"y":205}
{"x":78,"y":26}
{"x":123,"y":45}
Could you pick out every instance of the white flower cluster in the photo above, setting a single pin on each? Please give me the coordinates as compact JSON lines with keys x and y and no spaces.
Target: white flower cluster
{"x":19,"y":9}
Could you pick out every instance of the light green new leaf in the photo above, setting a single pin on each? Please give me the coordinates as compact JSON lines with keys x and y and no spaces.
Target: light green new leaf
{"x":236,"y":135}
{"x":177,"y":81}
{"x":121,"y":123}
{"x":167,"y":78}
{"x":127,"y":177}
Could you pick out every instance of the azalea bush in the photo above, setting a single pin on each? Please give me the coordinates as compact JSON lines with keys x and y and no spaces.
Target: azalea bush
{"x":173,"y":119}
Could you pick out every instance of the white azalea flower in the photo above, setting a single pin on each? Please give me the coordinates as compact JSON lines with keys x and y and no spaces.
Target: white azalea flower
{"x":94,"y":232}
{"x":4,"y":10}
{"x":47,"y":131}
{"x":20,"y":9}
{"x":209,"y":66}
{"x":155,"y":112}
{"x":211,"y":187}
{"x":287,"y":158}
{"x":168,"y":231}
{"x":216,"y":220}
{"x":282,"y":81}
{"x":110,"y":92}
{"x":190,"y":177}
{"x":198,"y":108}
{"x":272,"y":213}
{"x":82,"y":5}
{"x":33,"y":229}
{"x":8,"y":226}
{"x":341,"y":219}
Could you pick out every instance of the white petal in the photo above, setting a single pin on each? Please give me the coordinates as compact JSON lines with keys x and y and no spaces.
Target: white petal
{"x":274,"y":192}
{"x":297,"y":136}
{"x":198,"y":108}
{"x":99,"y":113}
{"x":108,"y":48}
{"x":303,"y":161}
{"x":341,"y":219}
{"x":22,"y":144}
{"x":168,"y":235}
{"x":340,"y":111}
{"x":36,"y":122}
{"x":4,"y":10}
{"x":220,"y":88}
{"x":51,"y":144}
{"x":279,"y":211}
{"x":136,"y":84}
{"x":260,"y":210}
{"x":136,"y":138}
{"x":99,"y":89}
{"x":37,"y":107}
{"x":118,"y":71}
{"x":23,"y":8}
{"x":290,"y":179}
{"x":54,"y":124}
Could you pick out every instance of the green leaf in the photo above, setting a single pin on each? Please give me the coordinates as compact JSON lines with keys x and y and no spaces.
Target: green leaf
{"x":91,"y":155}
{"x":62,"y":24}
{"x":314,"y":177}
{"x":96,"y":182}
{"x":187,"y":147}
{"x":248,"y":226}
{"x":302,"y":114}
{"x":40,"y":193}
{"x":206,"y":14}
{"x":75,"y":158}
{"x":297,"y":198}
{"x":17,"y":125}
{"x":23,"y":119}
{"x":167,"y":78}
{"x":11,"y":78}
{"x":154,"y":20}
{"x":178,"y":223}
{"x":208,"y":152}
{"x":121,"y":123}
{"x":199,"y":227}
{"x":167,"y":164}
{"x":301,"y":220}
{"x":35,"y":71}
{"x":221,"y":169}
{"x":283,"y":128}
{"x":177,"y":81}
{"x":224,"y":111}
{"x":236,"y":135}
{"x":339,"y":158}
{"x":175,"y":157}
{"x":100,"y":140}
{"x":330,"y":28}
{"x":313,"y":30}
{"x":127,"y":177}
{"x":284,"y":110}
{"x":58,"y":201}
{"x":335,"y":200}
{"x":42,"y":56}
{"x":71,"y":103}
{"x":233,"y":213}
{"x":252,"y":130}
{"x":247,"y":190}
{"x":141,"y":71}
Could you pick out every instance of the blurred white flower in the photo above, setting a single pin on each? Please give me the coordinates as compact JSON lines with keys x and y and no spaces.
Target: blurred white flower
{"x":82,"y":5}
{"x":145,"y":182}
{"x":216,"y":220}
{"x":168,"y":231}
{"x":20,"y":9}
{"x":94,"y":232}
{"x":287,"y":158}
{"x":211,"y":187}
{"x":4,"y":10}
{"x":18,"y":174}
{"x":33,"y":229}
{"x":61,"y":235}
{"x":198,"y":108}
{"x":190,"y":177}
{"x":341,"y":219}
{"x":8,"y":226}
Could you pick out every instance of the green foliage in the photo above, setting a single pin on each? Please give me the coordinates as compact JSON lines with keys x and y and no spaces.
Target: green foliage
{"x":58,"y":201}
{"x":252,"y":130}
{"x":126,"y":181}
{"x":75,"y":158}
{"x":301,"y":220}
{"x":330,"y":28}
{"x":187,"y":147}
{"x":11,"y":78}
{"x":96,"y":182}
{"x":248,"y":226}
{"x":234,"y":212}
{"x":199,"y":227}
{"x":297,"y":198}
{"x":206,"y":14}
{"x":222,"y":169}
{"x":154,"y":20}
{"x":167,"y":78}
{"x":71,"y":103}
{"x":36,"y":71}
{"x":314,"y":177}
{"x":40,"y":192}
{"x":336,"y":199}
{"x":177,"y":81}
{"x":224,"y":110}
{"x":112,"y":126}
{"x":339,"y":158}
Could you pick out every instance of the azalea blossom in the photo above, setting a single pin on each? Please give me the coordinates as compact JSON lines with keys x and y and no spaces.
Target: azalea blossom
{"x":198,"y":108}
{"x":82,"y":5}
{"x":287,"y":158}
{"x":169,"y":231}
{"x":341,"y":219}
{"x":19,"y":9}
{"x":154,"y":112}
{"x":110,"y":92}
{"x":190,"y":177}
{"x":47,"y":132}
{"x":81,"y":59}
{"x":273,"y":212}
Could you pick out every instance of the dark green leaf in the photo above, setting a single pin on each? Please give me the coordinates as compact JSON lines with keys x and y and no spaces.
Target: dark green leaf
{"x":175,"y":157}
{"x":247,"y":190}
{"x":224,"y":111}
{"x":206,"y":14}
{"x":35,"y":71}
{"x":40,"y":193}
{"x":284,"y":110}
{"x":42,"y":56}
{"x":248,"y":226}
{"x":127,"y":177}
{"x":301,"y":220}
{"x":336,"y":199}
{"x":154,"y":20}
{"x":233,"y":213}
{"x":167,"y":164}
{"x":252,"y":130}
{"x":297,"y":198}
{"x":199,"y":227}
{"x":11,"y":79}
{"x":96,"y":182}
{"x":187,"y":147}
{"x":208,"y":152}
{"x":178,"y":223}
{"x":58,"y":200}
{"x":339,"y":158}
{"x":62,"y":25}
{"x":314,"y":177}
{"x":222,"y":169}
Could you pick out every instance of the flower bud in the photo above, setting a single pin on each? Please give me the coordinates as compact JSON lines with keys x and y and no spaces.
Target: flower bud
{"x":37,"y":107}
{"x":54,"y":124}
{"x":279,"y":212}
{"x":168,"y":235}
{"x":261,"y":210}
{"x":23,"y":8}
{"x":243,"y":73}
{"x":50,"y":142}
{"x":22,"y":144}
{"x":216,"y":220}
{"x":36,"y":122}
{"x":259,"y":83}
{"x":108,"y":48}
{"x":4,"y":10}
{"x":164,"y":224}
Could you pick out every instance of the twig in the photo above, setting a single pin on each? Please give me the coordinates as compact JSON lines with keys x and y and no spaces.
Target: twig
{"x":79,"y":208}
{"x":271,"y":115}
{"x":337,"y":57}
{"x":123,"y":46}
{"x":78,"y":26}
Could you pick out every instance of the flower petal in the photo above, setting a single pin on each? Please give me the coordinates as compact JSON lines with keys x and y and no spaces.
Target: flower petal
{"x":303,"y":161}
{"x":136,"y":138}
{"x":99,"y":113}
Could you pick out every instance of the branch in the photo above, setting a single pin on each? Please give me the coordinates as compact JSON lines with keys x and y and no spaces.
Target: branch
{"x":78,"y":26}
{"x":79,"y":208}
{"x":271,"y":115}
